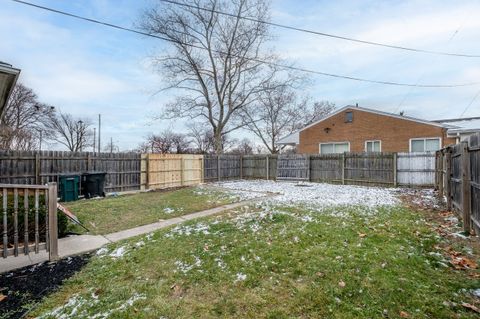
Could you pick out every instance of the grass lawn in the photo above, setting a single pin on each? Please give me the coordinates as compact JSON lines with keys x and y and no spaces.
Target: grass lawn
{"x":111,"y":214}
{"x":264,"y":262}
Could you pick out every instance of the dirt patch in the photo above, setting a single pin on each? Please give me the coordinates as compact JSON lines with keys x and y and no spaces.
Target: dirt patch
{"x":21,"y":289}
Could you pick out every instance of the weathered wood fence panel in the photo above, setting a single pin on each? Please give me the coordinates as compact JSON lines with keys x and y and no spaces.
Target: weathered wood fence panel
{"x":416,"y":169}
{"x":29,"y":219}
{"x":259,"y":166}
{"x":294,"y":167}
{"x":32,"y":167}
{"x":370,"y":168}
{"x":458,"y":180}
{"x":326,"y":168}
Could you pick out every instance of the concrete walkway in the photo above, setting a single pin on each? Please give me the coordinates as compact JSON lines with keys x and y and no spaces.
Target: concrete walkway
{"x":76,"y":245}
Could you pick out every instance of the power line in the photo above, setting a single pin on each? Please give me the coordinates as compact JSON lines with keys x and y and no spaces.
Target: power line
{"x":470,"y":104}
{"x":300,"y":69}
{"x":323,"y":34}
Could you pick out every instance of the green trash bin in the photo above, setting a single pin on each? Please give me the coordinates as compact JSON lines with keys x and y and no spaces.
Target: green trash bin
{"x":69,"y":187}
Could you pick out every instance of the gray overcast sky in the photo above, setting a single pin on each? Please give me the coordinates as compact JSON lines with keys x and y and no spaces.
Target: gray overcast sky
{"x":87,"y":69}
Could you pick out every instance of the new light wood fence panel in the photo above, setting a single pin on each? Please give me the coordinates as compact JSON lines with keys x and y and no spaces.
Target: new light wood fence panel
{"x":416,"y":169}
{"x":171,"y":170}
{"x":32,"y":167}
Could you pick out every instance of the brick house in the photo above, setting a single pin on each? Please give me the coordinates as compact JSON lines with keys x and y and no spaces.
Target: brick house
{"x":358,"y":129}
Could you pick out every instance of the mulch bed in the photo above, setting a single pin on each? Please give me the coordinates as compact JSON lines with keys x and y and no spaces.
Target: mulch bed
{"x":21,"y":289}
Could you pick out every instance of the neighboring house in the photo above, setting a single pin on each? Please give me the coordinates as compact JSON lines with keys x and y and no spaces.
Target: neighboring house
{"x":358,"y":129}
{"x":8,"y":78}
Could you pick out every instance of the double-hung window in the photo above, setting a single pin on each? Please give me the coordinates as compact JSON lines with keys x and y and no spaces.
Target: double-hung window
{"x":373,"y":146}
{"x":334,"y":147}
{"x":425,"y":144}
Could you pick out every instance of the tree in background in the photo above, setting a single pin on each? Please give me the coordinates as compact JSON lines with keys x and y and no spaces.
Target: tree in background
{"x":73,"y":132}
{"x":216,"y":60}
{"x":167,"y":142}
{"x":24,"y":120}
{"x":279,"y":112}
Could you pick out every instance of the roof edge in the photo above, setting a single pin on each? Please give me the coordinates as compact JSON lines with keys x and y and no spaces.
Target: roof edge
{"x":402,"y":117}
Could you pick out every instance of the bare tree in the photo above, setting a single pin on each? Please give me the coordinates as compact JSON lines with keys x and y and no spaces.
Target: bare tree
{"x":215,"y":60}
{"x":279,"y":112}
{"x":111,"y":147}
{"x":201,"y":138}
{"x":243,"y":147}
{"x":23,"y":120}
{"x":72,"y":132}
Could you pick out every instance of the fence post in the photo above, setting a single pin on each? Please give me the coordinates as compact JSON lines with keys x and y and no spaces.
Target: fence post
{"x":241,"y":166}
{"x":202,"y":169}
{"x":395,"y":169}
{"x":218,"y":168}
{"x":182,"y":170}
{"x":267,"y":165}
{"x":440,"y":174}
{"x":448,"y":179}
{"x":37,"y":168}
{"x":147,"y":169}
{"x":343,"y":168}
{"x":466,"y":189}
{"x":52,"y":221}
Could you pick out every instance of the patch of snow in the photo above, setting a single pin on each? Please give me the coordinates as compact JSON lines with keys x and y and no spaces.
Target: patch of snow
{"x":119,"y":252}
{"x":102,"y":251}
{"x":317,"y":195}
{"x":168,"y":210}
{"x":240,"y":277}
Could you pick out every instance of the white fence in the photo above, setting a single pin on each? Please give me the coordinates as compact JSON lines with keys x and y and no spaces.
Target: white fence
{"x":416,"y":169}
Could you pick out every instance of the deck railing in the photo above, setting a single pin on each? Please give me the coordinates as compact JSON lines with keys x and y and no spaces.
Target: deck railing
{"x":29,"y":219}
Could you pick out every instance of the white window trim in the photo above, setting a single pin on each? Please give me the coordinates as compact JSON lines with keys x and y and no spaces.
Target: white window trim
{"x":326,"y":143}
{"x":380,"y":141}
{"x":424,"y":138}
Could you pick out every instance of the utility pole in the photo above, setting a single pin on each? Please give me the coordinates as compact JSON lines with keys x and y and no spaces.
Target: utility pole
{"x":111,"y":145}
{"x":99,"y":129}
{"x":94,"y":139}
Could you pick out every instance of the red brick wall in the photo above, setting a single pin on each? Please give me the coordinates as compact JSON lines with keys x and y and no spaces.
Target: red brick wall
{"x":395,"y":133}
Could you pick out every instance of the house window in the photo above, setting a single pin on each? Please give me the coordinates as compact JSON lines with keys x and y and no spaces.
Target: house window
{"x":348,"y":117}
{"x":373,"y":146}
{"x":425,"y":144}
{"x":333,"y":148}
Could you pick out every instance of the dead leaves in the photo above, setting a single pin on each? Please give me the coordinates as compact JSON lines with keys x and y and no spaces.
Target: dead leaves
{"x":2,"y":297}
{"x":404,"y":314}
{"x":458,"y":261}
{"x":177,"y":290}
{"x":341,"y":284}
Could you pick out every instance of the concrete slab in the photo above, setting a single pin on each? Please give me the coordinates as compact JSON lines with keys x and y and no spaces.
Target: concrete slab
{"x":75,"y":245}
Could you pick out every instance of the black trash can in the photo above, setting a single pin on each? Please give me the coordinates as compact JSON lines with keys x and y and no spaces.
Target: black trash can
{"x":93,"y":184}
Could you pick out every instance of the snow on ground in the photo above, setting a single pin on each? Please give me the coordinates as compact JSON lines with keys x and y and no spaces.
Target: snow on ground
{"x":315,"y":195}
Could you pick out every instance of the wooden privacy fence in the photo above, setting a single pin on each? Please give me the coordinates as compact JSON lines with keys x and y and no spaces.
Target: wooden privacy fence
{"x":404,"y":169}
{"x":41,"y":167}
{"x":228,"y":167}
{"x":171,"y":170}
{"x":458,"y":180}
{"x":29,"y":219}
